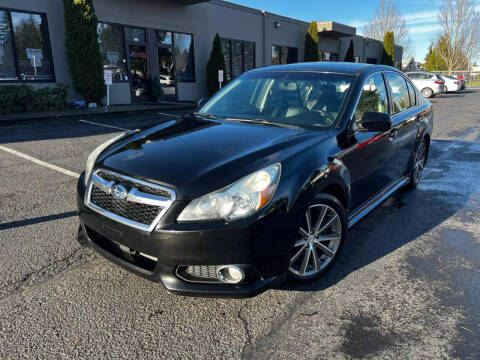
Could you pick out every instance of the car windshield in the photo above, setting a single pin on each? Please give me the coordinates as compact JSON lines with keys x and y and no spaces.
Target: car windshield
{"x":304,"y":99}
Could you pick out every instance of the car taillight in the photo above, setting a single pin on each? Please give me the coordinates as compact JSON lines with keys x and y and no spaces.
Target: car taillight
{"x":438,"y":82}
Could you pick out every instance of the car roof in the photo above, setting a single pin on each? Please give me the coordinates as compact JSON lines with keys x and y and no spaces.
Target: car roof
{"x":331,"y":66}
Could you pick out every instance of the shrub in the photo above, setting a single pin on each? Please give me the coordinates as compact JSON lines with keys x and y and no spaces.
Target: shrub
{"x":83,"y":51}
{"x":215,"y":62}
{"x":24,"y":98}
{"x":388,"y":54}
{"x":311,"y":43}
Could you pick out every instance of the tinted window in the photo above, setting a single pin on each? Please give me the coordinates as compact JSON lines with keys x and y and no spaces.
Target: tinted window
{"x":239,"y":57}
{"x":304,"y":99}
{"x":373,"y":98}
{"x":411,"y":94}
{"x":282,"y":55}
{"x":7,"y":60}
{"x":398,"y":88}
{"x":185,"y":64}
{"x":31,"y":46}
{"x":110,"y":40}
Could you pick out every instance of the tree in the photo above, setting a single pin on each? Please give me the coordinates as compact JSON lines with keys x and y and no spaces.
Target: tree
{"x":311,"y":43}
{"x":215,"y":62}
{"x":433,"y":62}
{"x":350,"y":56}
{"x":83,"y":52}
{"x":388,"y":18}
{"x":388,"y":54}
{"x":460,"y":32}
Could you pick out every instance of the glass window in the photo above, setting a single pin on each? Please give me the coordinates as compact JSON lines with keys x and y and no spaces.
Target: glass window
{"x":276,"y":55}
{"x":112,"y":50}
{"x":7,"y":59}
{"x":373,"y":98}
{"x":237,"y":61}
{"x":282,"y":55}
{"x":163,"y":37}
{"x":411,"y":93}
{"x":398,"y":88}
{"x":308,"y":100}
{"x":184,"y":59}
{"x":31,"y":46}
{"x":248,"y":55}
{"x":135,"y":35}
{"x":334,"y":57}
{"x":228,"y":57}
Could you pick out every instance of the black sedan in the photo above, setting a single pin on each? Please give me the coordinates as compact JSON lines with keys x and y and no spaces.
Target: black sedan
{"x":263,"y":182}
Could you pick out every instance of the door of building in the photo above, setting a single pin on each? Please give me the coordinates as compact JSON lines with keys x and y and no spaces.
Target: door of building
{"x":138,"y":65}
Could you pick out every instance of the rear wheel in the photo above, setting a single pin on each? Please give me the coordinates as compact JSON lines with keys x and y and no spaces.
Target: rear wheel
{"x":427,"y":92}
{"x":419,"y":162}
{"x":320,"y":239}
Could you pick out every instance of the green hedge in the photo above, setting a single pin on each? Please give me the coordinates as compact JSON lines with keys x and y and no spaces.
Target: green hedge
{"x":24,"y":98}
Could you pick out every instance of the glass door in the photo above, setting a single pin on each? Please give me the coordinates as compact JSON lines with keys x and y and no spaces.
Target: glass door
{"x":166,"y":82}
{"x":138,"y":64}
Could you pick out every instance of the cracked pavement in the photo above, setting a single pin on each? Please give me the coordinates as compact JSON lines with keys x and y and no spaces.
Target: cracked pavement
{"x":406,"y":286}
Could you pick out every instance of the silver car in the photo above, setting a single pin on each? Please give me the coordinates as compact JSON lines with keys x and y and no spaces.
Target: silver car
{"x":428,"y":83}
{"x":451,"y":84}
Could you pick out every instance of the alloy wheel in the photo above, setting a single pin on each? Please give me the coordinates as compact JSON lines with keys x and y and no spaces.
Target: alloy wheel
{"x":319,"y":241}
{"x":420,"y":160}
{"x":427,"y":92}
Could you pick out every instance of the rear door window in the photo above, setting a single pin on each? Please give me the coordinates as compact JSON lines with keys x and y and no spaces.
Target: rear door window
{"x":412,"y":95}
{"x":399,"y":91}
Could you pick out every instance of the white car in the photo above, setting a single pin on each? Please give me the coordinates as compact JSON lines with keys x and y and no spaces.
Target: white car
{"x":451,"y":84}
{"x":428,"y":83}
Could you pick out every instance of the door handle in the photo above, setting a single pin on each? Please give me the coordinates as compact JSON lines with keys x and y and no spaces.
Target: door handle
{"x":393,"y":134}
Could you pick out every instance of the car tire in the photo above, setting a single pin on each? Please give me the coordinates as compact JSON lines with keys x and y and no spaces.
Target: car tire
{"x":320,"y":239}
{"x":427,"y":92}
{"x":419,"y":161}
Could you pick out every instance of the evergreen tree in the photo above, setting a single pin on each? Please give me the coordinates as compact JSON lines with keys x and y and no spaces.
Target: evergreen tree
{"x":388,"y":55}
{"x":311,"y":43}
{"x":83,"y":52}
{"x":350,"y":56}
{"x":215,"y":62}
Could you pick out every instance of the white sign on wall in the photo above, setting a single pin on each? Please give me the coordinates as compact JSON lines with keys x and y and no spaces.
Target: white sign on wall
{"x":35,"y":56}
{"x":220,"y":76}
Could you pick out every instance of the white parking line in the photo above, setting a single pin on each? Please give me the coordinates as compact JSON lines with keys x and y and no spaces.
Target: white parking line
{"x":108,"y":126}
{"x":40,"y":162}
{"x":166,"y":114}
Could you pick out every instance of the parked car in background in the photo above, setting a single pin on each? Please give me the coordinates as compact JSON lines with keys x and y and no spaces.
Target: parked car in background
{"x":261,"y":183}
{"x":429,"y":84}
{"x":451,"y":84}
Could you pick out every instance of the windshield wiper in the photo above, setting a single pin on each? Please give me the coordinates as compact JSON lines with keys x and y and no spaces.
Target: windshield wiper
{"x":207,"y":116}
{"x":265,"y":122}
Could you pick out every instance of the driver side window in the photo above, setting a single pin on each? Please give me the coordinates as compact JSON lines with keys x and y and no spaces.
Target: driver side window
{"x":374,"y":97}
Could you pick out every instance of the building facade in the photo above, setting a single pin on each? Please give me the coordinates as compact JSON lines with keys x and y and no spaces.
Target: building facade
{"x":163,"y":40}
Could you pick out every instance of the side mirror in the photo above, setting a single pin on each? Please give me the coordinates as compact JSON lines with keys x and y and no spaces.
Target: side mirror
{"x":199,"y":103}
{"x":376,"y":121}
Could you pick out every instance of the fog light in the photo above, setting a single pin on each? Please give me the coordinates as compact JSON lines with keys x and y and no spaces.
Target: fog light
{"x":230,"y":274}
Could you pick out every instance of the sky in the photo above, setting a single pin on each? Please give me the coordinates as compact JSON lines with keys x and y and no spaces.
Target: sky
{"x":420,"y":15}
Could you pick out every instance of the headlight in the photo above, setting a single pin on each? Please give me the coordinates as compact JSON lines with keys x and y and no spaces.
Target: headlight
{"x":239,"y":200}
{"x":93,"y":156}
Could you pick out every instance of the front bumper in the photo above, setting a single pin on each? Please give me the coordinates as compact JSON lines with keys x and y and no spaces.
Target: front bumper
{"x":262,"y":247}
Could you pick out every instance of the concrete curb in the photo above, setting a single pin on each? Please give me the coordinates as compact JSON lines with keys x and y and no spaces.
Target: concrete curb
{"x":12,"y":119}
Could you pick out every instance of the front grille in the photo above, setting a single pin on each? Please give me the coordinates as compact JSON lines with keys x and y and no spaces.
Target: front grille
{"x":142,"y":187}
{"x":142,"y":208}
{"x":141,"y":213}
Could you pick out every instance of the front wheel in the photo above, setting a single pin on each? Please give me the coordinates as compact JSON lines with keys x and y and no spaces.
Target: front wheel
{"x":320,"y":239}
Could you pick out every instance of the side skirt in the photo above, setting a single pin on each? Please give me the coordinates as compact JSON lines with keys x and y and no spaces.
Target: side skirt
{"x":380,"y":197}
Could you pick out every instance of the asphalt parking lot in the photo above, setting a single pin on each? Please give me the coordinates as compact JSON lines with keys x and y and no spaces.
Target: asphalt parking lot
{"x":406,"y":287}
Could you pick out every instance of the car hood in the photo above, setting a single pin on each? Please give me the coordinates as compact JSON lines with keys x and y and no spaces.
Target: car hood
{"x":196,"y":156}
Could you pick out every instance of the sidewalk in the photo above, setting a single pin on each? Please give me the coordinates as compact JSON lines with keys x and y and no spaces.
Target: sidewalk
{"x":85,"y":112}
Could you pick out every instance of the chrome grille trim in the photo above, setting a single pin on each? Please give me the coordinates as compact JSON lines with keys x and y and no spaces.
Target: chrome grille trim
{"x":134,"y":195}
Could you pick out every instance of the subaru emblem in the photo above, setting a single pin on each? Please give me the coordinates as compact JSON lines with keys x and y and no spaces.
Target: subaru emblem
{"x":119,"y":192}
